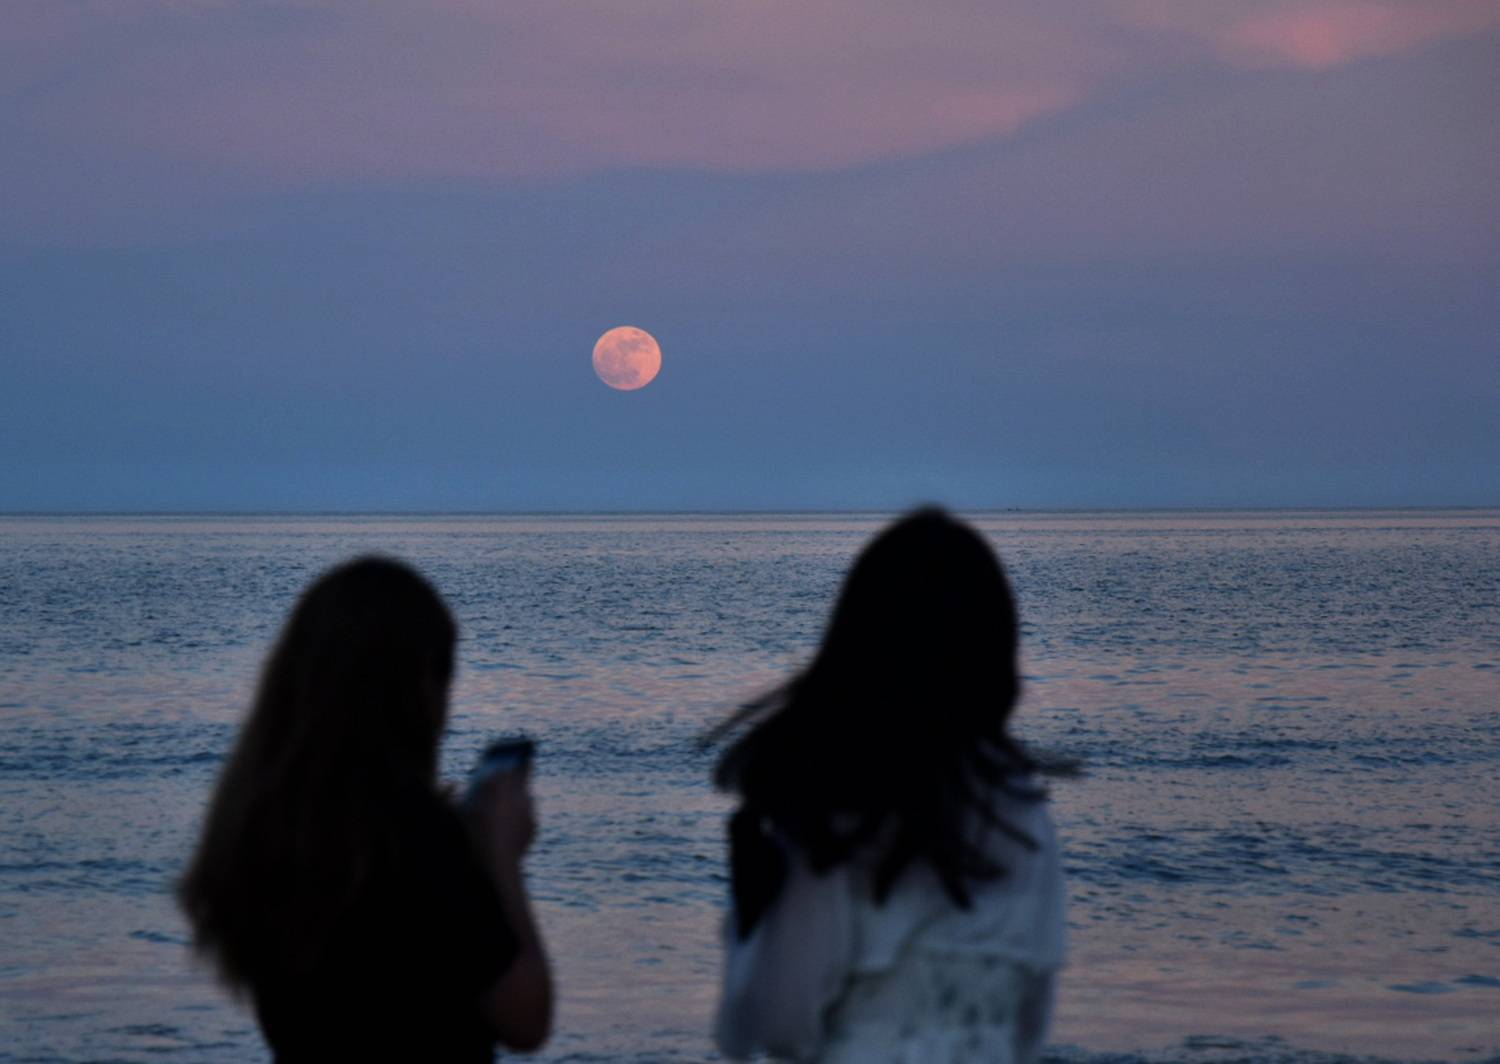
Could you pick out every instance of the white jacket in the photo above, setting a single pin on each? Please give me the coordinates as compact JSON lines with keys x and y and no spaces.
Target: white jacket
{"x":828,"y":976}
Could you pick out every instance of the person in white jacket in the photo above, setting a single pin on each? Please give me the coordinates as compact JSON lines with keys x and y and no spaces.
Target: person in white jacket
{"x":897,"y":889}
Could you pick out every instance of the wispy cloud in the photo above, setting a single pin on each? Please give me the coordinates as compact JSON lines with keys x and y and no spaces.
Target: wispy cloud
{"x":312,"y":90}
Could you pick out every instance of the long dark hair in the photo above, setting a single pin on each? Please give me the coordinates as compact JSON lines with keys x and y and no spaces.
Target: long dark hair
{"x":896,"y":732}
{"x":346,"y":722}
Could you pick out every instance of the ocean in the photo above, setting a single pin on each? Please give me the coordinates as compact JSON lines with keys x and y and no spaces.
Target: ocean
{"x":1285,"y":844}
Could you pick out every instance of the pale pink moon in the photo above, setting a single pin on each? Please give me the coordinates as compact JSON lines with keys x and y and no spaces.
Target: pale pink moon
{"x":627,"y":358}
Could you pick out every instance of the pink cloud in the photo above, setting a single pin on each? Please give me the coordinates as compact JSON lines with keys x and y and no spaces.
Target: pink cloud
{"x":460,"y":89}
{"x":1325,"y":35}
{"x":315,"y":90}
{"x":1314,"y":34}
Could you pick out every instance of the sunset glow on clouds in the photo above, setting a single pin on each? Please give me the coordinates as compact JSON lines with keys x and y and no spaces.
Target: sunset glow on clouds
{"x":1040,"y":252}
{"x":459,"y":89}
{"x":1320,"y":35}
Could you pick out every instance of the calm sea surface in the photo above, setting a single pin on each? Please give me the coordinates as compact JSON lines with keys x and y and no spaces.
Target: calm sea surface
{"x":1286,"y":846}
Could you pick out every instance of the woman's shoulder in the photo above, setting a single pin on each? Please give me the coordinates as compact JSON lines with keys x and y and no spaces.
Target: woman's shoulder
{"x":1020,"y":913}
{"x":421,"y":814}
{"x":1021,"y":803}
{"x":427,"y":847}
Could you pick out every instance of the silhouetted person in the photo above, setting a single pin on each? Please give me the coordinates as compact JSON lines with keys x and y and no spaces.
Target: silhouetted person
{"x":367,"y":916}
{"x":896,"y":881}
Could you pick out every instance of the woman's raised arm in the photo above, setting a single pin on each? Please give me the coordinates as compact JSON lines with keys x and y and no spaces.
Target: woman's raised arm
{"x":502,"y":825}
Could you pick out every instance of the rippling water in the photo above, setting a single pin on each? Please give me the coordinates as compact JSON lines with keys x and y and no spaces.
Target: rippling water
{"x":1286,"y":846}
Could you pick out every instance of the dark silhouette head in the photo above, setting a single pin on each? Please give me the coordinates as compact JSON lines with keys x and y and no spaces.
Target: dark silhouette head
{"x":347,"y":719}
{"x":896,"y":732}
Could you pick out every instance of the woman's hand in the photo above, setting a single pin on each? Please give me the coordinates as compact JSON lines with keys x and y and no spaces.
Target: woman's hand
{"x":501,"y":818}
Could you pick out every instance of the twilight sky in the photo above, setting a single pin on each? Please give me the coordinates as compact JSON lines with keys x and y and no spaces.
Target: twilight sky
{"x":317,"y":255}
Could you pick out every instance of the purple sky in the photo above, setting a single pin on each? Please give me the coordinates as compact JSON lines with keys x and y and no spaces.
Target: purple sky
{"x":308,"y":255}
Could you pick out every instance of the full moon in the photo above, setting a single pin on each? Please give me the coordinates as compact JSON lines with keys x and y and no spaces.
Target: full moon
{"x":627,"y":358}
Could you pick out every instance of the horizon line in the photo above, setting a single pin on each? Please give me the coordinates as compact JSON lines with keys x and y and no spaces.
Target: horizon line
{"x":750,"y":512}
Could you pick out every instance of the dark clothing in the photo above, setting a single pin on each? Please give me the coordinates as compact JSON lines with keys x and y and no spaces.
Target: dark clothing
{"x":408,"y":961}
